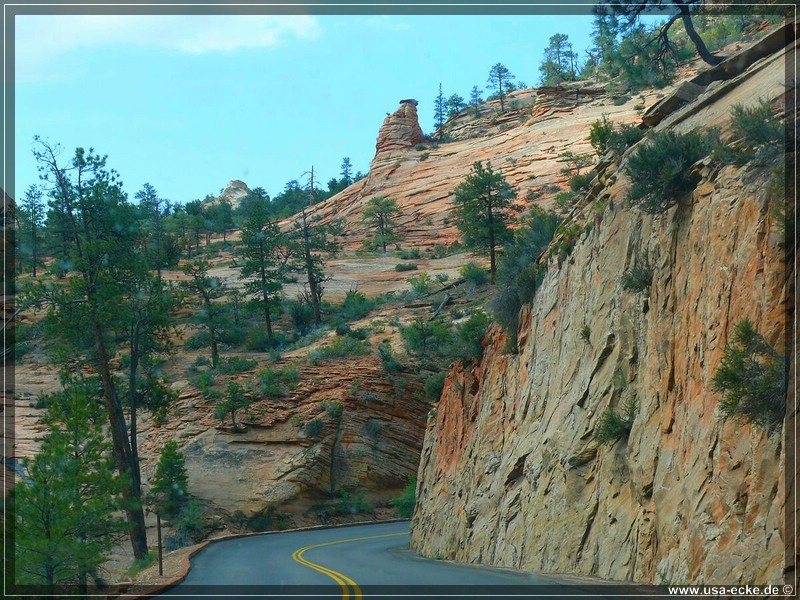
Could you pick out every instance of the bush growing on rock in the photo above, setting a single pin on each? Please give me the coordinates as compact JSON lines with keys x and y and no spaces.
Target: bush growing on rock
{"x":314,"y":428}
{"x":752,"y":379}
{"x":434,"y":386}
{"x":639,"y":277}
{"x":474,"y":274}
{"x":660,"y":171}
{"x":614,"y":425}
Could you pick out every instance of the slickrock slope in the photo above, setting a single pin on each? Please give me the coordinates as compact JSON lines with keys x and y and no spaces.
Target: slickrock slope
{"x":510,"y":473}
{"x":523,"y":144}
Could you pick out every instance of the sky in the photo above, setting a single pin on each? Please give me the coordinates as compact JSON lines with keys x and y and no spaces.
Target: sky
{"x":188,"y":103}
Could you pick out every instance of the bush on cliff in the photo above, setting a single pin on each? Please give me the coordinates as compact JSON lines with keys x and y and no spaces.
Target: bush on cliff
{"x":752,"y":379}
{"x":518,"y":274}
{"x":660,"y":171}
{"x":614,"y":425}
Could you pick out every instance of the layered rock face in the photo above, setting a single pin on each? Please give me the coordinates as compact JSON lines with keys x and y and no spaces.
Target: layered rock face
{"x":511,"y":474}
{"x":400,"y":130}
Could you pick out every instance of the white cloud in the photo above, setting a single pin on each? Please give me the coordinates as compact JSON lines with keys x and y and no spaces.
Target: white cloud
{"x":41,"y":40}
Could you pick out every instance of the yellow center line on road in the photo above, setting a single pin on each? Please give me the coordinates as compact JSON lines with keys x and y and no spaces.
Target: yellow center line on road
{"x":340,"y":578}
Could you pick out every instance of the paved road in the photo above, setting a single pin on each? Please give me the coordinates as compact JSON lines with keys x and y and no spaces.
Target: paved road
{"x":347,"y":563}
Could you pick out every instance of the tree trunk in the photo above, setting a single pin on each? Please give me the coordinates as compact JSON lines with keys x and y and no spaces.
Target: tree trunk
{"x":214,"y":350}
{"x":122,"y":451}
{"x":698,"y":42}
{"x":136,"y":474}
{"x":267,"y":317}
{"x":492,"y":265}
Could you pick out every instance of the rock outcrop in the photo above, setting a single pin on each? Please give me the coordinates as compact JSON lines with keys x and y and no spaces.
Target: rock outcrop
{"x":400,"y":130}
{"x":511,"y":474}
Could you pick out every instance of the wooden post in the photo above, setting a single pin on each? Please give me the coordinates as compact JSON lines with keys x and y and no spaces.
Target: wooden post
{"x":160,"y":557}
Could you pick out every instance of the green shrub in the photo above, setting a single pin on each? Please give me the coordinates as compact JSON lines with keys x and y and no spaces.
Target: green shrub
{"x":614,"y":425}
{"x":639,"y":277}
{"x":434,"y":386}
{"x":295,"y":421}
{"x":201,"y":339}
{"x":752,"y":378}
{"x":518,"y":275}
{"x":235,"y":364}
{"x":341,"y":347}
{"x":660,"y":171}
{"x":273,"y":382}
{"x":203,"y":380}
{"x":169,"y":486}
{"x":585,"y":334}
{"x":424,"y":156}
{"x":404,"y":504}
{"x":348,"y":504}
{"x":623,"y":137}
{"x":301,"y":314}
{"x":412,"y":254}
{"x":189,"y":523}
{"x":400,"y":267}
{"x":474,"y":274}
{"x":757,"y":135}
{"x":314,"y":428}
{"x":389,"y":362}
{"x":620,"y":100}
{"x":257,"y":340}
{"x":373,"y":428}
{"x":470,"y":336}
{"x":356,"y":305}
{"x":580,"y":182}
{"x":420,"y":284}
{"x":565,"y":200}
{"x":334,"y":409}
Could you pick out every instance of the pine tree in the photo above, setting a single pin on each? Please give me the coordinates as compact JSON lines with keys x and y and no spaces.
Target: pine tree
{"x":84,"y":313}
{"x":499,"y":77}
{"x":454,"y":104}
{"x":481,"y":206}
{"x":207,"y":289}
{"x":235,"y":400}
{"x":439,"y":110}
{"x":346,"y":172}
{"x":265,"y":258}
{"x":380,"y":213}
{"x":308,"y":244}
{"x":169,"y":486}
{"x":475,"y":99}
{"x":559,"y":63}
{"x":30,"y":216}
{"x":64,"y":506}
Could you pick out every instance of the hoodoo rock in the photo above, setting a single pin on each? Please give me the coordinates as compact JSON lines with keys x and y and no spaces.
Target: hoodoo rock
{"x":400,"y":130}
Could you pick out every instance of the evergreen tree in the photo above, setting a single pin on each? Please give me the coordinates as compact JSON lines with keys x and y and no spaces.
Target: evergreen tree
{"x":207,"y":289}
{"x":346,"y":172}
{"x":454,"y":104}
{"x":83,"y":313}
{"x":481,"y":206}
{"x":499,"y":77}
{"x":64,"y":506}
{"x":30,"y":215}
{"x":379,"y":214}
{"x":475,"y":99}
{"x":308,"y":244}
{"x":152,"y":208}
{"x":264,"y":252}
{"x":439,"y":110}
{"x":559,"y":63}
{"x":235,"y":400}
{"x":169,"y":486}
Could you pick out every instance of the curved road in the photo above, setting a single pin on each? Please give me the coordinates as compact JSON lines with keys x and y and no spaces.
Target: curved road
{"x":349,"y":563}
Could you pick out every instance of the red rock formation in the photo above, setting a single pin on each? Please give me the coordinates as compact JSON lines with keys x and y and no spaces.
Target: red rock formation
{"x":400,"y":130}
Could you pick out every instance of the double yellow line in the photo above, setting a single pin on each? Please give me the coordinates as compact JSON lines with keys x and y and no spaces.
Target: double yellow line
{"x":343,"y":580}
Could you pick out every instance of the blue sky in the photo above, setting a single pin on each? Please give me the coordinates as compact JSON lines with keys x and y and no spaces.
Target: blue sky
{"x":188,"y":103}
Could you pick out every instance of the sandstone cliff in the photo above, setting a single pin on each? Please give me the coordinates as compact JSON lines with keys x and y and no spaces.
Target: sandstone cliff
{"x":510,"y":473}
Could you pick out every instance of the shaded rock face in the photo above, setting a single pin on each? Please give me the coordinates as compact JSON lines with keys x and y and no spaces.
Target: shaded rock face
{"x":400,"y":130}
{"x":510,"y":473}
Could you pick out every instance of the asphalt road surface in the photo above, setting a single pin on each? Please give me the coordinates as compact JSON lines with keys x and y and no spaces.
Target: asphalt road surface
{"x":350,"y":563}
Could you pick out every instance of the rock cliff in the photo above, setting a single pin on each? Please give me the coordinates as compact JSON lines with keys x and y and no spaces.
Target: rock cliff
{"x":510,"y":474}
